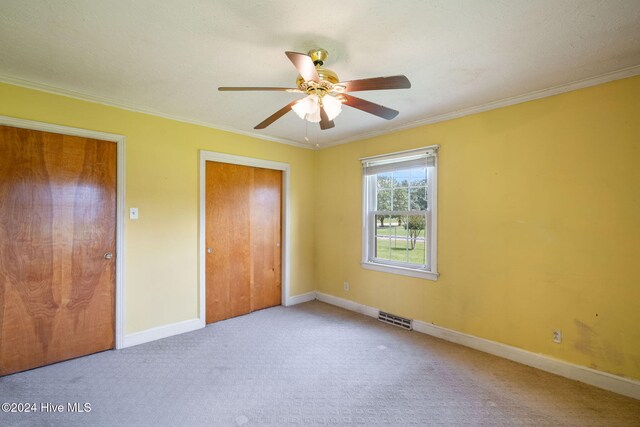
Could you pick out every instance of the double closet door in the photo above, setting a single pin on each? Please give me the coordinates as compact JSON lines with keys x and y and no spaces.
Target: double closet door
{"x":243,"y":230}
{"x":57,"y":247}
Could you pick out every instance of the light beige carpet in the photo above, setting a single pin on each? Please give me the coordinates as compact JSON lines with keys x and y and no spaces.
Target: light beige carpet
{"x":311,"y":364}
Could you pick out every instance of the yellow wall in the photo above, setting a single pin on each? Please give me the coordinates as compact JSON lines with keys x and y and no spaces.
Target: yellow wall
{"x":539,"y":226}
{"x":161,"y":262}
{"x":539,"y":219}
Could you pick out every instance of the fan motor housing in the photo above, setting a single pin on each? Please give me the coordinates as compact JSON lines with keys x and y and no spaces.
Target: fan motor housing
{"x":324,"y":74}
{"x":318,"y":56}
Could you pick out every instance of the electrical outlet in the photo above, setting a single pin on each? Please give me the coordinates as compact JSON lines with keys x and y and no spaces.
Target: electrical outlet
{"x":345,"y":285}
{"x":557,"y":336}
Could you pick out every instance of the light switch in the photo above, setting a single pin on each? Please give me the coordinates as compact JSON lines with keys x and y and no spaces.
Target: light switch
{"x":133,"y":213}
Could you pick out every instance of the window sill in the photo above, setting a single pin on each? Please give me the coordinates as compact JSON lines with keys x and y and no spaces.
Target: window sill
{"x":411,"y":272}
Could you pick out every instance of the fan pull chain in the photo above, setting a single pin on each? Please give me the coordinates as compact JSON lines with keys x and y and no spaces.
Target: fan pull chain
{"x":306,"y":131}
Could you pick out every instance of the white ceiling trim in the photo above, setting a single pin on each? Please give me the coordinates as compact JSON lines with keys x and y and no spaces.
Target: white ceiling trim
{"x":556,"y":90}
{"x":138,"y":109}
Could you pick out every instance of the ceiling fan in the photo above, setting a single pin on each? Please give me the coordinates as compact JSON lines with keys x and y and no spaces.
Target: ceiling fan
{"x":326,"y":93}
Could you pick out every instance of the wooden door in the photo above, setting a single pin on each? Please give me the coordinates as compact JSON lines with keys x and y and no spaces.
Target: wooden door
{"x":57,"y":222}
{"x":266,"y":232}
{"x":243,"y":230}
{"x":228,"y":253}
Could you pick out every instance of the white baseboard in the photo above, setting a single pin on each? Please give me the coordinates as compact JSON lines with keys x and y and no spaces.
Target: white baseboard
{"x":348,"y":304}
{"x":584,"y":374}
{"x":299,"y":299}
{"x":191,"y":325}
{"x":614,"y":383}
{"x":162,"y":332}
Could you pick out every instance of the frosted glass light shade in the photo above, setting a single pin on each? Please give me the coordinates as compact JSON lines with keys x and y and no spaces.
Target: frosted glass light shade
{"x":308,"y":108}
{"x":315,"y":116}
{"x":332,"y":106}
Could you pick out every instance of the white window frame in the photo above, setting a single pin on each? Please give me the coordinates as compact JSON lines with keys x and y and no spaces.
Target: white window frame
{"x":369,"y":223}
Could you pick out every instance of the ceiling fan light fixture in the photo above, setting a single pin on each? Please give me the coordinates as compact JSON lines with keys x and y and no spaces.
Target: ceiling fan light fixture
{"x":308,"y":108}
{"x":332,"y":106}
{"x":326,"y":92}
{"x":314,"y":117}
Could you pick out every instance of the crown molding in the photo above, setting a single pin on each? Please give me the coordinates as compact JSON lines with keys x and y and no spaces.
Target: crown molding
{"x":555,"y":90}
{"x":543,"y":93}
{"x":15,"y":81}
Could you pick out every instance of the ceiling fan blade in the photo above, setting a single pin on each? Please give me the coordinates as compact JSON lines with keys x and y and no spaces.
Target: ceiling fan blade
{"x":377,"y":83}
{"x":285,"y":89}
{"x":325,"y":123}
{"x":275,"y":116}
{"x":369,"y":107}
{"x":304,"y":65}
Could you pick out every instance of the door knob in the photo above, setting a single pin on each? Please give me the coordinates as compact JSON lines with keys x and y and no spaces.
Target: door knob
{"x":108,"y":255}
{"x":209,"y":250}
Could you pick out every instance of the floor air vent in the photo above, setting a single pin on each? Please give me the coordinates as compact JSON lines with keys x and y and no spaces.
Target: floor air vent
{"x":392,"y":319}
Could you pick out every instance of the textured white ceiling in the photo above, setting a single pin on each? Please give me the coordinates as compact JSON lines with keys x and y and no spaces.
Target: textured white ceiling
{"x":170,"y":56}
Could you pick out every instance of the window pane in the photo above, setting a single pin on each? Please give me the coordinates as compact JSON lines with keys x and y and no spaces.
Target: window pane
{"x":384,"y":229}
{"x":416,"y":239}
{"x":383,"y":223}
{"x":399,"y":249}
{"x":418,"y":198}
{"x":384,"y":200}
{"x":382,"y":248}
{"x":391,"y":225}
{"x":384,"y":180}
{"x":391,"y":237}
{"x":405,"y":222}
{"x":400,"y":199}
{"x":418,"y":177}
{"x":401,"y":178}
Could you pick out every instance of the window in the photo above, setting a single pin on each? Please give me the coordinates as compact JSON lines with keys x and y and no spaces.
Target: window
{"x":399,"y":213}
